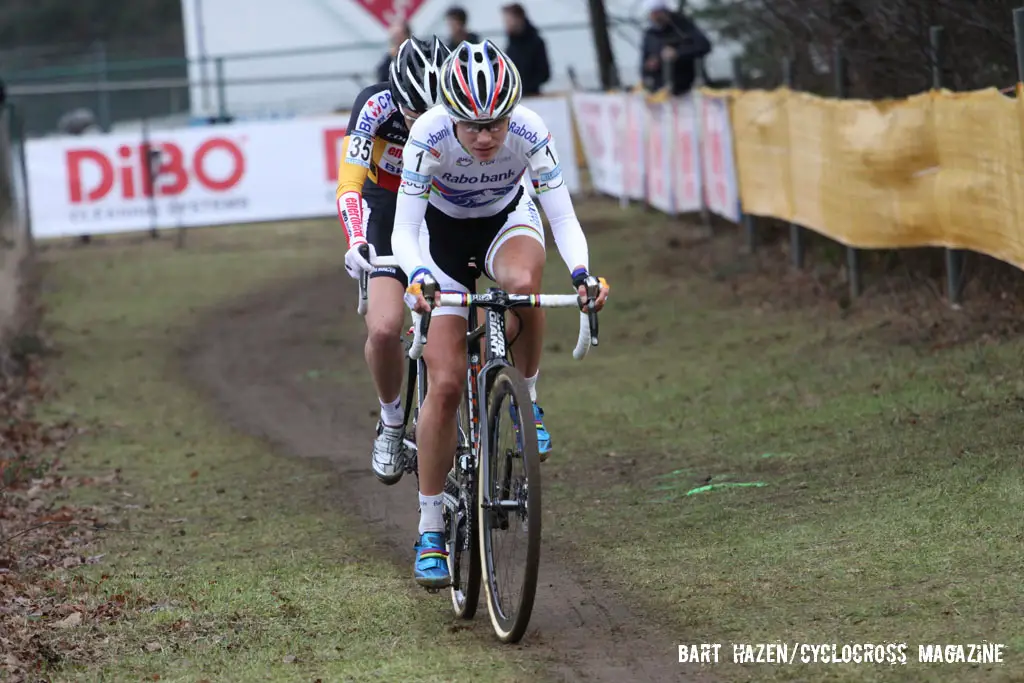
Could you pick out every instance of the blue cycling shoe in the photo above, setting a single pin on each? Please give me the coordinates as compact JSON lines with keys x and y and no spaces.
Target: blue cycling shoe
{"x":431,"y":567}
{"x":543,"y":438}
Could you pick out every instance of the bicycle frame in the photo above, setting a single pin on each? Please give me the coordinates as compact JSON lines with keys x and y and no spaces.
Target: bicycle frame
{"x":494,"y":355}
{"x":482,"y":363}
{"x":470,"y":504}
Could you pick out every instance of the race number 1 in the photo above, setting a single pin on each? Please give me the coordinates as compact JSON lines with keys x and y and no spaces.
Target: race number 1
{"x":550,"y":154}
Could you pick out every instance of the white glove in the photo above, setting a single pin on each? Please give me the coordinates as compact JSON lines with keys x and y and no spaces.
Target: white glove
{"x":355,"y":264}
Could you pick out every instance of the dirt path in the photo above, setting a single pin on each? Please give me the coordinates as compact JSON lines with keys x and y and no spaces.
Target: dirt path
{"x":251,"y":358}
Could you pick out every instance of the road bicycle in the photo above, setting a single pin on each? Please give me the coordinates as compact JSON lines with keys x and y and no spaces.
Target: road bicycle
{"x":493,"y":492}
{"x":484,"y":499}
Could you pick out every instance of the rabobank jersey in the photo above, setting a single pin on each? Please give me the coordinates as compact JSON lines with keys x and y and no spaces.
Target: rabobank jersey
{"x":439,"y":168}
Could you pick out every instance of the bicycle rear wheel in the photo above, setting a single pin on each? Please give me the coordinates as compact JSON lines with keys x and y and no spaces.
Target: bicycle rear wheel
{"x":509,"y":505}
{"x":460,"y":526}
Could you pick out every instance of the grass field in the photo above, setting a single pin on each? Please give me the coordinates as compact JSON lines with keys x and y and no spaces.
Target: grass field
{"x":890,"y":471}
{"x":885,"y":506}
{"x":240,"y":565}
{"x":881,"y":473}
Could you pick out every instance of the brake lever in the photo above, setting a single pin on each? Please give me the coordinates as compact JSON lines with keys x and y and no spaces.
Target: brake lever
{"x":429,"y":290}
{"x":364,"y":280}
{"x":593,"y":291}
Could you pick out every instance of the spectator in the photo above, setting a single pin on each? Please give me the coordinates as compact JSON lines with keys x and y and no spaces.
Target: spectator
{"x":526,"y":49}
{"x":457,"y":20}
{"x":398,"y":34}
{"x":672,"y":44}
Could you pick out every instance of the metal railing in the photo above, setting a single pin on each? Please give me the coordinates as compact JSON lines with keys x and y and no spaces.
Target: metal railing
{"x":245,"y":84}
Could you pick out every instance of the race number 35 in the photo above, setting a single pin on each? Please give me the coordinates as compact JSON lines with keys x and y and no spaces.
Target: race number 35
{"x":360,"y":149}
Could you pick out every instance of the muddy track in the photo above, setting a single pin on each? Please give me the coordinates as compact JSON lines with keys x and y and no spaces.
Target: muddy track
{"x":252,"y":356}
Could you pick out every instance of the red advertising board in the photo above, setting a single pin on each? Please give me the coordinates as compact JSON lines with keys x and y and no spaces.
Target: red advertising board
{"x":389,"y":12}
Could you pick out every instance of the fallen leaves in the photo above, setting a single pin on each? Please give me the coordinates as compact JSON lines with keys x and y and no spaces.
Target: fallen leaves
{"x":41,"y":606}
{"x":70,"y":621}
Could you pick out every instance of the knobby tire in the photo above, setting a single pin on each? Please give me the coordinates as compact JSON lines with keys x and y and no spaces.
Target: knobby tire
{"x":508,"y":382}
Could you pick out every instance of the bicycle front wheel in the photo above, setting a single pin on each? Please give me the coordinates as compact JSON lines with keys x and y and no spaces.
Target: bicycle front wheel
{"x":509,"y":504}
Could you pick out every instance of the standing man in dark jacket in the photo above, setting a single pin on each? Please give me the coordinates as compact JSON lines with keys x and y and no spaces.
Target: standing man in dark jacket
{"x":457,"y":20}
{"x":526,"y":49}
{"x":672,"y":44}
{"x":397,"y":35}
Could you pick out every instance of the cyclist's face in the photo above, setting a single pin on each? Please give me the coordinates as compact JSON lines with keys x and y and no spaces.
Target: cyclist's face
{"x":410,"y":117}
{"x":483,"y":140}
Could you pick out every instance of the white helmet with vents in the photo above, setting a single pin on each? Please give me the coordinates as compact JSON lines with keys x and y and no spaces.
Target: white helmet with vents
{"x":415,"y":73}
{"x":479,"y":83}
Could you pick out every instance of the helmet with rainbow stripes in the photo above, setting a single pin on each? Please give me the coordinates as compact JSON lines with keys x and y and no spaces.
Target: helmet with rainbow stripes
{"x":479,"y":83}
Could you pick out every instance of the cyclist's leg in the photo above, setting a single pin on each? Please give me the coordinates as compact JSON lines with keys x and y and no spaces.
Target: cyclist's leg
{"x":384,"y":316}
{"x":383,"y":349}
{"x":445,"y":356}
{"x":436,"y":430}
{"x":515,"y":260}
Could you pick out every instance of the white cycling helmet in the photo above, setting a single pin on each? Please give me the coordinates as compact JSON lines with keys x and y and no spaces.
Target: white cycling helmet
{"x":415,"y":73}
{"x":479,"y":83}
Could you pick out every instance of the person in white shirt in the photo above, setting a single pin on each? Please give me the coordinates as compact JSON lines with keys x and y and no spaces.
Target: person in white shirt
{"x":464,"y":167}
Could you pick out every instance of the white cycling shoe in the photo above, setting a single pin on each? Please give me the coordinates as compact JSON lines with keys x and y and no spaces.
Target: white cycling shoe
{"x":387,"y":454}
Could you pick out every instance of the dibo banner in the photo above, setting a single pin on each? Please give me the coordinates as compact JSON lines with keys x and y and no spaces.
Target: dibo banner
{"x":216,"y":175}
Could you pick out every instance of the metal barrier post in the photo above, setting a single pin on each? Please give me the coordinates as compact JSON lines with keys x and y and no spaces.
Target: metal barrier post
{"x":698,"y":83}
{"x":749,"y":220}
{"x":1018,"y":35}
{"x":222,"y":96}
{"x":954,"y":257}
{"x":103,"y":112}
{"x":796,"y":232}
{"x":152,"y":169}
{"x":852,"y":255}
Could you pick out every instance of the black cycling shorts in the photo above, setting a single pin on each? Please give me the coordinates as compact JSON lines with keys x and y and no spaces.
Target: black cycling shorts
{"x":379,"y":221}
{"x":461,"y":248}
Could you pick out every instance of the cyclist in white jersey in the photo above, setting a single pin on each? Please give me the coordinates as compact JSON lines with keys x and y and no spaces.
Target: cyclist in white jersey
{"x":463,"y":170}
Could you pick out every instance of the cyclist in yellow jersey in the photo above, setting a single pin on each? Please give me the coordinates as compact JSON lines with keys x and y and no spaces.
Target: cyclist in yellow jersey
{"x":369,"y":175}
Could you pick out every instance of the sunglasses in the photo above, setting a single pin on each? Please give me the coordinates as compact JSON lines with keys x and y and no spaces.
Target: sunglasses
{"x":490,"y":126}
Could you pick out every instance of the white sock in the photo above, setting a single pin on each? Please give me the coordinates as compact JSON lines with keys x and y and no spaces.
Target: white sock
{"x":391,"y":413}
{"x":431,"y":518}
{"x":531,"y":384}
